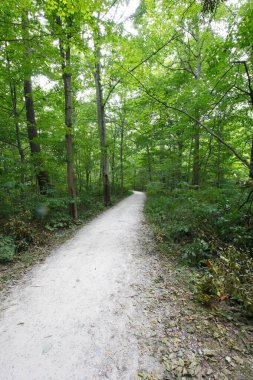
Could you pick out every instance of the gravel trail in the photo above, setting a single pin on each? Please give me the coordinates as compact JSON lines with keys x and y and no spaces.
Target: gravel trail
{"x":75,"y":317}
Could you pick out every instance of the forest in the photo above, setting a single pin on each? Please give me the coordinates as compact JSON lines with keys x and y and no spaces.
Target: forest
{"x":96,"y":102}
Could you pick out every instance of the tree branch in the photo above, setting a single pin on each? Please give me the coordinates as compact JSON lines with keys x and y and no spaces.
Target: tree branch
{"x":138,"y":65}
{"x":208,"y":130}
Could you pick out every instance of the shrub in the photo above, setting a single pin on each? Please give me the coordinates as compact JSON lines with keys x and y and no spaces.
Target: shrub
{"x":7,"y":249}
{"x":207,"y":229}
{"x":228,"y":277}
{"x":21,"y":231}
{"x":197,"y":252}
{"x":58,"y":221}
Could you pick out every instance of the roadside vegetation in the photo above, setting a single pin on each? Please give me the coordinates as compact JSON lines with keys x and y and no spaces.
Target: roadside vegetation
{"x":35,"y":225}
{"x":209,"y":231}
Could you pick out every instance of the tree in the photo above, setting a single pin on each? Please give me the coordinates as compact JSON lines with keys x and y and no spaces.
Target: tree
{"x":65,"y":53}
{"x":101,"y":116}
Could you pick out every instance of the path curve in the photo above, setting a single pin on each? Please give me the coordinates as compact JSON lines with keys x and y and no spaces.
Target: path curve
{"x":74,"y":316}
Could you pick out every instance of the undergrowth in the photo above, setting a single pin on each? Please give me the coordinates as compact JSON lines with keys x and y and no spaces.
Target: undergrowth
{"x":208,"y":231}
{"x":37,"y":220}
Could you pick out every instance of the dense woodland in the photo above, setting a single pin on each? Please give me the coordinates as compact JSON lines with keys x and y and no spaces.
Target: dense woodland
{"x":91,"y":108}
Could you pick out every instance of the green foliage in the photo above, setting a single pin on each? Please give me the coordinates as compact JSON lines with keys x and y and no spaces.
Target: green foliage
{"x":7,"y":249}
{"x":208,"y":230}
{"x":21,"y":231}
{"x":197,"y":252}
{"x":52,"y":213}
{"x":58,"y":221}
{"x":202,"y":215}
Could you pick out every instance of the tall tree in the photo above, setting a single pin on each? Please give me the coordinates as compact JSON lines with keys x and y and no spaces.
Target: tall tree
{"x":41,"y":174}
{"x":101,"y":117}
{"x":65,"y":53}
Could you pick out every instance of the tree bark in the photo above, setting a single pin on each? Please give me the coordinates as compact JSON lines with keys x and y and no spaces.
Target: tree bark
{"x":251,"y":159}
{"x":180,"y":158}
{"x":41,"y":174}
{"x":219,"y":171}
{"x":195,"y":179}
{"x":17,"y":126}
{"x":102,"y":128}
{"x":13,"y":93}
{"x":149,"y":164}
{"x":196,"y":154}
{"x":67,"y":81}
{"x":113,"y":161}
{"x":121,"y":157}
{"x":69,"y":142}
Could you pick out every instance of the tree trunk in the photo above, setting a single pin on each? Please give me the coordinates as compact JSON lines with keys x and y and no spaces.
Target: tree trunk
{"x":17,"y":129}
{"x":121,"y":157}
{"x":17,"y":126}
{"x":41,"y":175}
{"x":113,"y":160}
{"x":69,"y":142}
{"x":219,"y":171}
{"x":66,"y":68}
{"x":251,"y":159}
{"x":196,"y":155}
{"x":180,"y":158}
{"x":251,"y":151}
{"x":87,"y":175}
{"x":195,"y":179}
{"x":149,"y":164}
{"x":102,"y":129}
{"x":13,"y":93}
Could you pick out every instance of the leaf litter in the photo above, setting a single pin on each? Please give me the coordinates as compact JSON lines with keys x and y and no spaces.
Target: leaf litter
{"x":190,"y":341}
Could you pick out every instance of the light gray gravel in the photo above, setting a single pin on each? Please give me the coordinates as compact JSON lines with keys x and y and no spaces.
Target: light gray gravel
{"x":74,"y":317}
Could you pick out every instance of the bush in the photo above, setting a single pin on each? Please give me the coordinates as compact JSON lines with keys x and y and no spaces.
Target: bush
{"x":58,"y":221}
{"x":155,"y":188}
{"x":21,"y":231}
{"x":207,"y":229}
{"x":197,"y":252}
{"x":228,"y":277}
{"x":7,"y":249}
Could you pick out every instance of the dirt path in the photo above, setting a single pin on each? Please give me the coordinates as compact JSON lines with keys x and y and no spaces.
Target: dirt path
{"x":74,"y":316}
{"x":106,"y":305}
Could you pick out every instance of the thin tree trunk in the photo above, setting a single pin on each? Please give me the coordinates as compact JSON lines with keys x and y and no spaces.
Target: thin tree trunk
{"x":17,"y":126}
{"x":196,"y":154}
{"x":251,"y":100}
{"x":102,"y":129}
{"x":219,"y":172}
{"x":13,"y":93}
{"x":67,"y":79}
{"x":41,"y":175}
{"x":251,"y":159}
{"x":17,"y":129}
{"x":189,"y":162}
{"x":180,"y":158}
{"x":195,"y":180}
{"x":87,"y":174}
{"x":149,"y":164}
{"x":69,"y":142}
{"x":113,"y":160}
{"x":121,"y":157}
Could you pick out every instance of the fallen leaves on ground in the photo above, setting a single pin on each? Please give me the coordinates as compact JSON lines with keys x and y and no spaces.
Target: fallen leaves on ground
{"x":192,"y":342}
